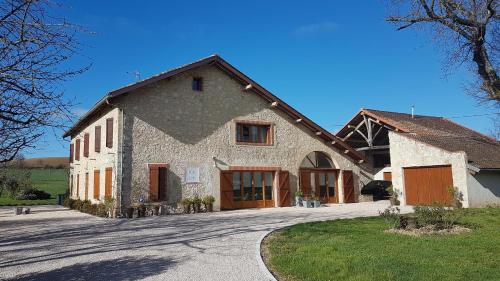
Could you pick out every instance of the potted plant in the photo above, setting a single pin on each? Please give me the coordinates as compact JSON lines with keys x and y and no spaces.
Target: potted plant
{"x":298,"y":198}
{"x":315,"y":201}
{"x":393,"y":196}
{"x":186,"y":205}
{"x":208,"y":201}
{"x":197,"y":204}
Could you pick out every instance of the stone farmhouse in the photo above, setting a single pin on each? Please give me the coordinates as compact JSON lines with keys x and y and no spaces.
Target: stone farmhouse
{"x":207,"y":129}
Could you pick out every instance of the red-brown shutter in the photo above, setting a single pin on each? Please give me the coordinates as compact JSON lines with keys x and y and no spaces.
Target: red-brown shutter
{"x":108,"y":182}
{"x":78,"y":186}
{"x":348,"y":180}
{"x":86,"y":139}
{"x":77,"y":150}
{"x":153,"y":183}
{"x":97,"y":181}
{"x":109,"y":132}
{"x":71,"y":155}
{"x":226,"y":190}
{"x":284,"y":188}
{"x":97,"y":136}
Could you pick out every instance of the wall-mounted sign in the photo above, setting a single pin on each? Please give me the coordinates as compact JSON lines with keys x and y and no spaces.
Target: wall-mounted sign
{"x":192,"y":174}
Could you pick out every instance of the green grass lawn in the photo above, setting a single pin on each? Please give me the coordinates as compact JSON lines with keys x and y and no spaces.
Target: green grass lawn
{"x":358,"y":249}
{"x":54,"y":181}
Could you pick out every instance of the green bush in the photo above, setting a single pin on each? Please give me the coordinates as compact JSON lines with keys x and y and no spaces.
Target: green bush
{"x":78,"y":205}
{"x":209,"y":199}
{"x":86,"y":205}
{"x":392,"y":217}
{"x":109,"y":202}
{"x":436,"y":215}
{"x":101,"y":210}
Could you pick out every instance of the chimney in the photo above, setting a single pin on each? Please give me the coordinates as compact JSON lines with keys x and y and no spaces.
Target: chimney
{"x":412,"y":111}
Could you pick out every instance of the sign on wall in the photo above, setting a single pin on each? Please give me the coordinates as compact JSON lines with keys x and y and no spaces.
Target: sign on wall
{"x":192,"y":174}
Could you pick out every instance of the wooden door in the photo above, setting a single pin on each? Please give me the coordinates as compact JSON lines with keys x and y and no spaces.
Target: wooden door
{"x":108,"y":178}
{"x":284,"y":189}
{"x":226,"y":190}
{"x":348,"y":180}
{"x":387,"y":176}
{"x":428,"y":185}
{"x":97,"y":183}
{"x":305,"y":182}
{"x":153,"y":183}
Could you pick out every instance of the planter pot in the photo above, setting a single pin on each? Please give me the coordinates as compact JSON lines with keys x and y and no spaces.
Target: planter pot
{"x":18,"y":210}
{"x":316,"y":203}
{"x":186,"y":208}
{"x":309,"y":203}
{"x":197,"y":208}
{"x":210,"y":208}
{"x":299,"y":201}
{"x":156,"y":210}
{"x":27,"y":211}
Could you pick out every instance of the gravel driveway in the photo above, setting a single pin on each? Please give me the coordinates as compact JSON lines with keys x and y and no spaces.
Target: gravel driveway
{"x":54,"y":243}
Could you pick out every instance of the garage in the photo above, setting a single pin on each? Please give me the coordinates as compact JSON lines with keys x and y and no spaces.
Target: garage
{"x":428,"y":185}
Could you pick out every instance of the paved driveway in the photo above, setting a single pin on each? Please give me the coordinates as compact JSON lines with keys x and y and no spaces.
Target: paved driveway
{"x":59,"y":244}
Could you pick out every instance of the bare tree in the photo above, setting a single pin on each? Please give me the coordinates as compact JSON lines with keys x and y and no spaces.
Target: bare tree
{"x":494,"y":131}
{"x":34,"y":49}
{"x":469,"y":27}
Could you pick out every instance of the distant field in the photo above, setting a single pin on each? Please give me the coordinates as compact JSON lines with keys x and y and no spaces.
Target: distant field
{"x":47,"y":162}
{"x":54,"y":181}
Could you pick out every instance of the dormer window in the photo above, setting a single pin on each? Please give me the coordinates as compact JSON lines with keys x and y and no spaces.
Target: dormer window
{"x":197,"y":84}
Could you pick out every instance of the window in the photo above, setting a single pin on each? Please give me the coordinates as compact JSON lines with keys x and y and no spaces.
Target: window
{"x":97,"y":136}
{"x":253,"y":133}
{"x":197,"y":84}
{"x":109,"y":132}
{"x":86,"y":139}
{"x":71,"y":155}
{"x":77,"y":150}
{"x":252,"y":186}
{"x":236,"y":186}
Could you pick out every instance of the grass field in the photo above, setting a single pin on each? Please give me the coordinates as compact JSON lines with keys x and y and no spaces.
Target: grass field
{"x":358,"y":249}
{"x":54,"y":181}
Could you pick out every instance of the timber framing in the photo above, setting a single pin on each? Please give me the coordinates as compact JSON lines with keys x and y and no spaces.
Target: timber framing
{"x":245,"y":81}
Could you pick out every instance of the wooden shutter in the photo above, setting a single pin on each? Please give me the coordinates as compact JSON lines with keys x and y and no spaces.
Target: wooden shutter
{"x":162,"y":183}
{"x":348,"y":180}
{"x":305,"y":183}
{"x":71,"y":155}
{"x":153,"y":183}
{"x":109,"y":132}
{"x":97,"y":136}
{"x":77,"y":186}
{"x":77,"y":150}
{"x":86,"y":139}
{"x":226,"y":190}
{"x":97,"y":183}
{"x":86,"y":186}
{"x":108,"y":181}
{"x":284,"y":188}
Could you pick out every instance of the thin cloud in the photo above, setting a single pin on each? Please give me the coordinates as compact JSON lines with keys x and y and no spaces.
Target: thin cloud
{"x":316,"y":28}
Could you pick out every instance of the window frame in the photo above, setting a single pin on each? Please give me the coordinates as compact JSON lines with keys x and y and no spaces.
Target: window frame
{"x":198,"y":81}
{"x":269,"y":128}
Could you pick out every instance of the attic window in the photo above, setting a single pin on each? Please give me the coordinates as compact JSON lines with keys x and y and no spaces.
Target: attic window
{"x":197,"y":84}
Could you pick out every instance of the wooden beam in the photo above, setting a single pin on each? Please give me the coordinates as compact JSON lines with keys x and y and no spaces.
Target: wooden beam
{"x":373,"y":147}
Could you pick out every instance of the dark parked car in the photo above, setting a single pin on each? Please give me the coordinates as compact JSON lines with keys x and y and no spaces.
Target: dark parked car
{"x":377,"y":188}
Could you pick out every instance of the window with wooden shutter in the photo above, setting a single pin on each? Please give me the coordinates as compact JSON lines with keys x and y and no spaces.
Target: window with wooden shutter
{"x":86,"y":139}
{"x":109,"y":132}
{"x":108,"y":177}
{"x":97,"y":181}
{"x":77,"y":150}
{"x":71,"y":155}
{"x":97,"y":136}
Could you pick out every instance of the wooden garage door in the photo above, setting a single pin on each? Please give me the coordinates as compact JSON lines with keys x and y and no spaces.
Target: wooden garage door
{"x":428,"y":185}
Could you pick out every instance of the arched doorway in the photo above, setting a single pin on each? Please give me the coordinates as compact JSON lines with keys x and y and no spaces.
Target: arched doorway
{"x":318,"y":177}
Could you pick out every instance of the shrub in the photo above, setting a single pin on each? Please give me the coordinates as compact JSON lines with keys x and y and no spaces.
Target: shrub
{"x":101,"y":210}
{"x":12,"y":186}
{"x":78,"y":205}
{"x":392,"y":217}
{"x":33,"y":194}
{"x":299,"y":193}
{"x":109,"y":202}
{"x":436,"y":215}
{"x":209,"y":199}
{"x":86,"y":205}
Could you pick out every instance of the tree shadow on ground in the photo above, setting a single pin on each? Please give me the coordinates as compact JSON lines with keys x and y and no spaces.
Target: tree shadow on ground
{"x":126,"y":268}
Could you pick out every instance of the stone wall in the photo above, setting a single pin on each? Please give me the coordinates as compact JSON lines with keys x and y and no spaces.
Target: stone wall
{"x":168,"y":122}
{"x":407,"y":152}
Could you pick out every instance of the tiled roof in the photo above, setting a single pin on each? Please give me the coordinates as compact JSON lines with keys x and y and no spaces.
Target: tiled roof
{"x":482,"y":151}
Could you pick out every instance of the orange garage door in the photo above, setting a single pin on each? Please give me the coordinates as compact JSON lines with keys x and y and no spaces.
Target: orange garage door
{"x":428,"y":185}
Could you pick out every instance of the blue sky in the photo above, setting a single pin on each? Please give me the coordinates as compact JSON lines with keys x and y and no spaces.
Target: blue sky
{"x":325,"y":58}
